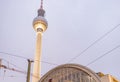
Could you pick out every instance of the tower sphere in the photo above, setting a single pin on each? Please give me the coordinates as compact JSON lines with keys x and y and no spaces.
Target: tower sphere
{"x":40,"y":24}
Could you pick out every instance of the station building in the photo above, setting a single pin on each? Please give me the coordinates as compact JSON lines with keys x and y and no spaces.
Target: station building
{"x":75,"y":73}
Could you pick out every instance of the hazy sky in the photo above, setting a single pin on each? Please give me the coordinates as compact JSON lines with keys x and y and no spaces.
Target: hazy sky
{"x":73,"y":26}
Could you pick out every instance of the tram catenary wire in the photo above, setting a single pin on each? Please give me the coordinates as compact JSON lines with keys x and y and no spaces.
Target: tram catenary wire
{"x":81,"y":53}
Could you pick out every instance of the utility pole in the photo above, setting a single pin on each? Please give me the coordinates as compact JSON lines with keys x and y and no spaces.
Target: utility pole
{"x":28,"y":71}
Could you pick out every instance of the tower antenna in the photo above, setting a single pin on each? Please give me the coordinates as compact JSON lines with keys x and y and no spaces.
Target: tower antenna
{"x":41,"y":4}
{"x":41,"y":11}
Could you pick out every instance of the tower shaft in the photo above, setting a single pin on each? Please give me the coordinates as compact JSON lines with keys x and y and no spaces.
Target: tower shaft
{"x":37,"y":59}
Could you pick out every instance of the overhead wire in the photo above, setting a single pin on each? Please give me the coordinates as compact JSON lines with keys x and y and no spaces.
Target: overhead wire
{"x":103,"y":55}
{"x":24,"y":72}
{"x":94,"y":43}
{"x":11,"y":76}
{"x":26,"y":58}
{"x":13,"y":64}
{"x":13,"y":69}
{"x":16,"y":70}
{"x":49,"y":63}
{"x":14,"y":55}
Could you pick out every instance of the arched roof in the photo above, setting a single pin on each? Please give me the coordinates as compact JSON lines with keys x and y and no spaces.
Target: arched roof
{"x":75,"y":66}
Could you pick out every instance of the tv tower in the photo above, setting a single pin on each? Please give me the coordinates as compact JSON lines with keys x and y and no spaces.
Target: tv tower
{"x":40,"y":25}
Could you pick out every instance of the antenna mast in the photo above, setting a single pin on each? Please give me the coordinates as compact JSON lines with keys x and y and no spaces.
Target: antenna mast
{"x":41,"y":11}
{"x":41,"y":4}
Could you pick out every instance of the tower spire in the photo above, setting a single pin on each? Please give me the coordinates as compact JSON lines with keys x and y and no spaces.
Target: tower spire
{"x":41,"y":11}
{"x":41,"y":4}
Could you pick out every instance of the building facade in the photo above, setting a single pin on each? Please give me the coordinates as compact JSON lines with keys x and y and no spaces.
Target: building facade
{"x":107,"y":78}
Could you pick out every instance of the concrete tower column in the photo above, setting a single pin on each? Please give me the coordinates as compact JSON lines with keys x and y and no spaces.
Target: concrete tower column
{"x":40,"y":25}
{"x":37,"y":59}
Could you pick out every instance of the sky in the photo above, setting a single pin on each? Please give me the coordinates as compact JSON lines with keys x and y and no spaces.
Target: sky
{"x":84,"y":32}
